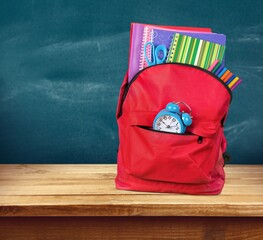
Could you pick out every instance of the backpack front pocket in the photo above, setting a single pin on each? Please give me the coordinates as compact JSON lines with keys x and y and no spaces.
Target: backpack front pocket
{"x":169,"y":157}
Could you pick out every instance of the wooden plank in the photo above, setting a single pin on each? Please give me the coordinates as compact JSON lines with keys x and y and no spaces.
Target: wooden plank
{"x":93,"y":177}
{"x":56,"y":173}
{"x":102,"y":167}
{"x":99,"y":171}
{"x":98,"y":168}
{"x":89,"y":190}
{"x":103,"y":176}
{"x":63,"y":168}
{"x":109,"y":206}
{"x":131,"y":228}
{"x":102,"y":186}
{"x":105,"y":187}
{"x":161,"y":199}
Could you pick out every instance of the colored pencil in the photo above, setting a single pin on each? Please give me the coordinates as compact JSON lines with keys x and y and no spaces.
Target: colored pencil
{"x":236,"y":84}
{"x":213,"y":65}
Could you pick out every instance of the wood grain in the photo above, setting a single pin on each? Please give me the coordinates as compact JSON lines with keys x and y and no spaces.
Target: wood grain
{"x":131,"y":228}
{"x":89,"y":190}
{"x":68,"y":202}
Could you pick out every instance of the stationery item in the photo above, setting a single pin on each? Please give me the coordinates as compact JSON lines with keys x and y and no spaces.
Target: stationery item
{"x":230,"y":79}
{"x":225,"y":75}
{"x":147,"y":37}
{"x":165,"y":37}
{"x":213,"y":65}
{"x":219,"y":69}
{"x":161,"y":35}
{"x":222,"y":72}
{"x":231,"y":84}
{"x":236,"y":84}
{"x":195,"y":51}
{"x":216,"y":67}
{"x":158,"y":54}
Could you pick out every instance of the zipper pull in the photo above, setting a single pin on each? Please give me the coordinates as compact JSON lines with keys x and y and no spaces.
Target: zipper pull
{"x":200,"y":139}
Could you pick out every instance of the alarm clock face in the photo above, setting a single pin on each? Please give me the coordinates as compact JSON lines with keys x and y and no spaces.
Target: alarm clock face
{"x":168,"y":123}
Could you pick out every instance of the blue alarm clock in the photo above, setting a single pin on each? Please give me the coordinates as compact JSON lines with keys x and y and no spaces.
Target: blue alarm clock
{"x":172,"y":120}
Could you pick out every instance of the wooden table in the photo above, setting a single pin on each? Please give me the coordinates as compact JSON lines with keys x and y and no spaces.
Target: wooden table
{"x":81,"y":202}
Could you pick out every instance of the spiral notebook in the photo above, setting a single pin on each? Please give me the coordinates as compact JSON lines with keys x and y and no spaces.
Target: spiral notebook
{"x":147,"y":37}
{"x":195,"y":51}
{"x":142,"y":33}
{"x":139,"y":36}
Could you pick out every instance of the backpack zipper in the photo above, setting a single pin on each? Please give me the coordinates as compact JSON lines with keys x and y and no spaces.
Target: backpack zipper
{"x":199,"y":140}
{"x":184,"y":64}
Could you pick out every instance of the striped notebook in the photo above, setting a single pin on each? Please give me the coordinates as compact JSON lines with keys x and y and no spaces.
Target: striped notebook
{"x":195,"y":51}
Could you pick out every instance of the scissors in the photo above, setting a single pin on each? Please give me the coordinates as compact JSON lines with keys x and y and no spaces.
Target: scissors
{"x":158,"y":54}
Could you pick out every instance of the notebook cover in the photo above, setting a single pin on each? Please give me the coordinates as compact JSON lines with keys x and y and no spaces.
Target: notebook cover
{"x":163,"y":35}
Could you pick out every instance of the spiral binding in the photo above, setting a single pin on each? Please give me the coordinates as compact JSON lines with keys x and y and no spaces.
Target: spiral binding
{"x":172,"y":49}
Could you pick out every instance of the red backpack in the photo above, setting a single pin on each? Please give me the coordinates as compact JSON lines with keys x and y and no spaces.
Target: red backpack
{"x":155,"y":161}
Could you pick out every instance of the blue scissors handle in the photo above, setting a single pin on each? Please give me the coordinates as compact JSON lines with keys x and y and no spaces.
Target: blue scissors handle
{"x":156,"y":52}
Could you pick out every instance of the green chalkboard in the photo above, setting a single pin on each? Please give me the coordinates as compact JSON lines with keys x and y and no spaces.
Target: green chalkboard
{"x":62,"y":63}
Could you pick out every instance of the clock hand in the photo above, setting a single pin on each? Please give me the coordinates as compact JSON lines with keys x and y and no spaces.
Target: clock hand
{"x":164,"y":123}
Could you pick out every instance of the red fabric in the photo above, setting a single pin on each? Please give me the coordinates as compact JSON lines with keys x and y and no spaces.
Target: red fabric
{"x":164,"y":162}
